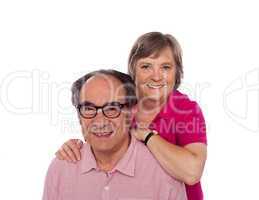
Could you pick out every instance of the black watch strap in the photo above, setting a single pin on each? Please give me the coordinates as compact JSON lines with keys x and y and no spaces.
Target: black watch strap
{"x":148,"y":137}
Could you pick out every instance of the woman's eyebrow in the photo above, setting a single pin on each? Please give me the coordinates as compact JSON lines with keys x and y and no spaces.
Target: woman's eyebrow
{"x":167,"y":63}
{"x":144,"y":62}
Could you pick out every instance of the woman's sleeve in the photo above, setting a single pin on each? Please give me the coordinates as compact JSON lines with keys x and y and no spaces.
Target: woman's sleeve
{"x":191,"y":126}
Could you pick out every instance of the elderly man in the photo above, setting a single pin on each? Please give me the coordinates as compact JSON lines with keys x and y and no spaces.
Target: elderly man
{"x":114,"y":165}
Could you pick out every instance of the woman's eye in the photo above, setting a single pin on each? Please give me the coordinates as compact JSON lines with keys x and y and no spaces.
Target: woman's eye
{"x":145,"y":66}
{"x":166,"y":67}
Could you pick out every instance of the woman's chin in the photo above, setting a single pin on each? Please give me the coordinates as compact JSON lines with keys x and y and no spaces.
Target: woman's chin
{"x":156,"y":95}
{"x":155,"y":100}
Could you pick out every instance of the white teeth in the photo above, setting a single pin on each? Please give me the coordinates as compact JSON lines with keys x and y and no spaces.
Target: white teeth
{"x":155,"y":86}
{"x":103,"y":134}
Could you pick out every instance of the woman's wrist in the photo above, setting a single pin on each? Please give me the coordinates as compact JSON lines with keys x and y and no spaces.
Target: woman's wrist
{"x":148,"y":136}
{"x":141,"y":134}
{"x":145,"y":134}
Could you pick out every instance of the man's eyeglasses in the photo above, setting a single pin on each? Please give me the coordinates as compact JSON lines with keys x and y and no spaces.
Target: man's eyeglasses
{"x":110,"y":110}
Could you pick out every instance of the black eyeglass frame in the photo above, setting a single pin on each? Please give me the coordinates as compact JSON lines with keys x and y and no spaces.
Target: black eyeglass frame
{"x":114,"y":103}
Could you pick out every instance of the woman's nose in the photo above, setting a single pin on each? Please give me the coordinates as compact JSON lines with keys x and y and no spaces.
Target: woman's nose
{"x":156,"y":75}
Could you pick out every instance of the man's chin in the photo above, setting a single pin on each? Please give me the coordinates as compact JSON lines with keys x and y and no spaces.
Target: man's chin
{"x":102,"y":148}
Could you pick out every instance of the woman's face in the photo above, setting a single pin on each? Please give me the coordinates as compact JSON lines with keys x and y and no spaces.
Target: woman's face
{"x":155,"y":75}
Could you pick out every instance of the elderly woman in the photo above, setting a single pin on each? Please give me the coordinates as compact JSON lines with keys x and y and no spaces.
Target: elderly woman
{"x":167,"y":121}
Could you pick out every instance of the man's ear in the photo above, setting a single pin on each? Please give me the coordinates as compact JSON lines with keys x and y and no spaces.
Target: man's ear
{"x":79,"y":118}
{"x":80,"y":121}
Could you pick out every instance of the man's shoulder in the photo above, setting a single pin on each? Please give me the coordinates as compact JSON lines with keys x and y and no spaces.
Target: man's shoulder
{"x":143,"y":151}
{"x":59,"y":166}
{"x":62,"y":166}
{"x":145,"y":157}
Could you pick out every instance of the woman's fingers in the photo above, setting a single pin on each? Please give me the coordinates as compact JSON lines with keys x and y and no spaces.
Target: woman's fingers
{"x":70,"y":150}
{"x":69,"y":147}
{"x":79,"y":143}
{"x":75,"y":145}
{"x":59,"y":155}
{"x":62,"y":155}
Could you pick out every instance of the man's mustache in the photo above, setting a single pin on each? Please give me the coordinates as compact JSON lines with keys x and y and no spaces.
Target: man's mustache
{"x":96,"y":128}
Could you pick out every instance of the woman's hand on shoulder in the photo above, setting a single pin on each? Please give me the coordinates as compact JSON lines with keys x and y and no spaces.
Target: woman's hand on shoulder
{"x":140,"y":133}
{"x":70,"y":150}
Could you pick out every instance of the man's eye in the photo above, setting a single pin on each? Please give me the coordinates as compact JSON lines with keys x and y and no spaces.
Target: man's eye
{"x":111,"y":108}
{"x":88,"y":109}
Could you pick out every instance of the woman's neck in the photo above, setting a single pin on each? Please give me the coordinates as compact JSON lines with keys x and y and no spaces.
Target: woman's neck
{"x":147,"y":110}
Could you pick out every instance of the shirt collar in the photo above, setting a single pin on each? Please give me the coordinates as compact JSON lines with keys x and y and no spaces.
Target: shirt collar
{"x":88,"y":160}
{"x":126,"y":164}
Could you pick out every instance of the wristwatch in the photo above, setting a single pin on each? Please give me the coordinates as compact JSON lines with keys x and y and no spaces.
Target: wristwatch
{"x":149,"y":135}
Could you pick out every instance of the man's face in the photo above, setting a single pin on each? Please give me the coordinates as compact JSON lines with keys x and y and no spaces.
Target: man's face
{"x":102,"y":133}
{"x":155,"y":75}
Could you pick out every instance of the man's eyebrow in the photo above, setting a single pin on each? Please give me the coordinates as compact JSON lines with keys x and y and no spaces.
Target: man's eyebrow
{"x":87,"y":103}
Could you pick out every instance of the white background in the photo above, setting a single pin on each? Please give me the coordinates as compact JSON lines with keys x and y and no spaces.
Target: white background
{"x":46,"y":45}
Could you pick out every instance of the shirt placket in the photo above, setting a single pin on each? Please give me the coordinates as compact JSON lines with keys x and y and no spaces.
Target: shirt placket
{"x":106,"y":191}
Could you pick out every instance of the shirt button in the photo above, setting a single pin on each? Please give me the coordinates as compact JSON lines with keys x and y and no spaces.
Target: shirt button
{"x":106,"y":188}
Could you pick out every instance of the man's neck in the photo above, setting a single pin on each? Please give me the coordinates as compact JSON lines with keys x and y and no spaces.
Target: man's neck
{"x":106,"y":161}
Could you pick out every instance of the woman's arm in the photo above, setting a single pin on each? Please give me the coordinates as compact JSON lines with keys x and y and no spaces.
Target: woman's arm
{"x":184,"y":163}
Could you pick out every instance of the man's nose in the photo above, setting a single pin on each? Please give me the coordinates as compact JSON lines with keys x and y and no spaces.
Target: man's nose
{"x":99,"y":115}
{"x":99,"y":121}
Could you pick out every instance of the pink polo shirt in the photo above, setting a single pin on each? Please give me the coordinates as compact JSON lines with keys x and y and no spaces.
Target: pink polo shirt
{"x":137,"y":176}
{"x":181,"y":122}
